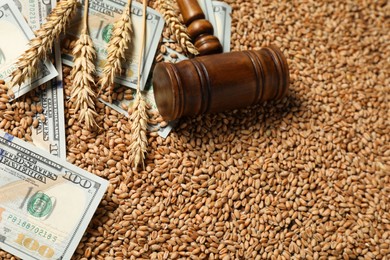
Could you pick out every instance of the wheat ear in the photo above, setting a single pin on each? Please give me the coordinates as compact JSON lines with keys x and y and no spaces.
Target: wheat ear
{"x":139,"y":117}
{"x":82,"y":74}
{"x":116,"y":50}
{"x":41,"y":45}
{"x":178,"y":29}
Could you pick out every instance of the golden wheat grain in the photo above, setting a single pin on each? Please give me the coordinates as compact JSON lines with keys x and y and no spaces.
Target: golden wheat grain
{"x":116,"y":50}
{"x":41,"y":45}
{"x":175,"y":26}
{"x":317,"y":162}
{"x":83,"y":94}
{"x":139,"y":117}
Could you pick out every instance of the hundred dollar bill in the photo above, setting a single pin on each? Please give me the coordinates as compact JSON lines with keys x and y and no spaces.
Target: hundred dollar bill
{"x":102,"y":16}
{"x":46,"y":203}
{"x":34,"y":12}
{"x":50,"y":134}
{"x":18,"y":33}
{"x":207,"y":8}
{"x":169,"y":56}
{"x":222,"y":12}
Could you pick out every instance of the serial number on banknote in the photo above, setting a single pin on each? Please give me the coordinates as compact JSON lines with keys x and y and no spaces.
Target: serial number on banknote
{"x":18,"y":221}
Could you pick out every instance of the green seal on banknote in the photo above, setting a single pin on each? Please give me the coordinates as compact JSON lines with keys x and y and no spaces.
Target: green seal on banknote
{"x":107,"y":32}
{"x":39,"y":205}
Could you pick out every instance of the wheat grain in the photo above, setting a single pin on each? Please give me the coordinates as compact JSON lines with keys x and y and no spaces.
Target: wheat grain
{"x":82,"y":93}
{"x":320,"y":158}
{"x":175,"y":26}
{"x":305,"y":177}
{"x":16,"y":117}
{"x":41,"y":45}
{"x":117,"y":49}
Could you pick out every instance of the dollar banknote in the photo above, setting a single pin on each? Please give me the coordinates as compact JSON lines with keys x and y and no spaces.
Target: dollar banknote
{"x":50,"y":133}
{"x":46,"y":203}
{"x":222,"y":13}
{"x":102,"y":15}
{"x":34,"y":12}
{"x":17,"y":33}
{"x":208,"y":10}
{"x":169,"y":56}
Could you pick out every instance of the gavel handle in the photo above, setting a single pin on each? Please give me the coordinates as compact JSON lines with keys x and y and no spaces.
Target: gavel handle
{"x":199,"y":29}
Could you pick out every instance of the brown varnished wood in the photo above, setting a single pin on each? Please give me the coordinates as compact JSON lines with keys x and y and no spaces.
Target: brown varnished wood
{"x":190,"y":10}
{"x":200,"y":30}
{"x":199,"y":27}
{"x":220,"y":82}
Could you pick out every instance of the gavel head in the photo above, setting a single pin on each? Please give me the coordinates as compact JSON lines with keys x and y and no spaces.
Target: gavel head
{"x":220,"y":82}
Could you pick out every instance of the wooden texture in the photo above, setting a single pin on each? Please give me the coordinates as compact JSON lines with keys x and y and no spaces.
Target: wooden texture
{"x":190,"y":10}
{"x":219,"y":82}
{"x":200,"y":30}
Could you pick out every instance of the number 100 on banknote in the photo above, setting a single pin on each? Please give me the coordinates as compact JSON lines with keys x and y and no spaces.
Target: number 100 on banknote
{"x":45,"y":203}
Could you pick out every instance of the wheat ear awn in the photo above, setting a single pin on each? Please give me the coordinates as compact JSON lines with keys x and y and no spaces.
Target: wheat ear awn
{"x":178,"y":29}
{"x":139,"y":117}
{"x":82,"y":93}
{"x":117,"y":49}
{"x":41,"y":45}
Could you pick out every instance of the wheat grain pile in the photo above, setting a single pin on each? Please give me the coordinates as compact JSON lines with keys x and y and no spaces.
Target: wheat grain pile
{"x":306,"y":177}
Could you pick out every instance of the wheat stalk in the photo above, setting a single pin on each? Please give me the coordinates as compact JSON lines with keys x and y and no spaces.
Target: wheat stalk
{"x":82,"y":74}
{"x":175,"y":26}
{"x":116,"y":50}
{"x":139,"y":141}
{"x":139,"y":117}
{"x":41,"y":45}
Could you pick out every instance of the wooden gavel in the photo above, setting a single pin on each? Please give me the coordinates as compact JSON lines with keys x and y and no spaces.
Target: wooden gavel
{"x":199,"y":29}
{"x":217,"y":82}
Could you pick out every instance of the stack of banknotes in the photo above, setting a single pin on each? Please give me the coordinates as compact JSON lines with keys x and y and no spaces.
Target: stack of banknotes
{"x":55,"y":200}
